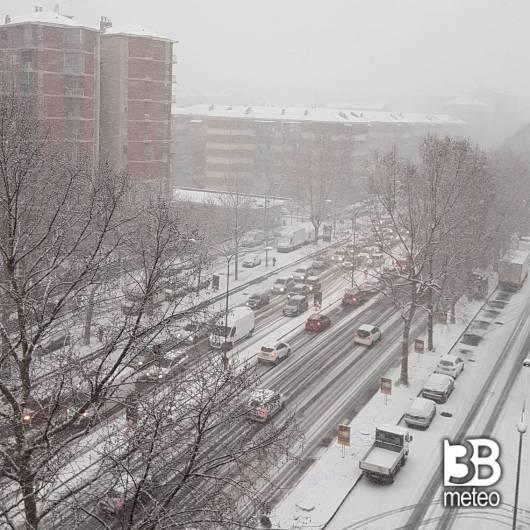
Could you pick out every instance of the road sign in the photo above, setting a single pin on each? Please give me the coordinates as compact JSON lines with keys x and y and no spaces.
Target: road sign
{"x":343,"y":435}
{"x":215,"y":282}
{"x":419,"y":346}
{"x":385,"y":385}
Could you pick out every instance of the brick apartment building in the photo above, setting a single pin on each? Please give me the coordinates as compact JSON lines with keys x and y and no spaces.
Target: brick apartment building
{"x":56,"y":60}
{"x":136,"y":93}
{"x":104,"y":93}
{"x":259,"y":149}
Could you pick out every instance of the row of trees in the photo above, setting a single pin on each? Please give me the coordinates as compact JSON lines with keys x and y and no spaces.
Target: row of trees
{"x":71,"y":238}
{"x":437,"y":220}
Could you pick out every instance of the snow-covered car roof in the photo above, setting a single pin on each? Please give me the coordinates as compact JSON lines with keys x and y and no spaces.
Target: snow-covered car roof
{"x":449,"y":357}
{"x":394,"y":429}
{"x":367,"y":327}
{"x":438,"y":382}
{"x":420,"y":406}
{"x":262,"y":395}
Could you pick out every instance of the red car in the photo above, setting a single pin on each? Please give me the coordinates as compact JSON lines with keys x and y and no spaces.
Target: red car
{"x":317,"y":322}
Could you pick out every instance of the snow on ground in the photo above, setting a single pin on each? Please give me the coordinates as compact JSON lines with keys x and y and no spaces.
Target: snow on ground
{"x":314,"y":499}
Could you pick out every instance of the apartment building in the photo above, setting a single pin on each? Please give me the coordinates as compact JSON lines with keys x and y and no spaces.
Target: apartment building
{"x":56,"y":60}
{"x":136,"y":93}
{"x":261,"y":149}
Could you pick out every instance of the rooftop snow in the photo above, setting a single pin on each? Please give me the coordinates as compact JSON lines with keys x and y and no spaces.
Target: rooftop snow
{"x":219,"y":198}
{"x":311,"y":114}
{"x":134,"y":30}
{"x":48,"y":17}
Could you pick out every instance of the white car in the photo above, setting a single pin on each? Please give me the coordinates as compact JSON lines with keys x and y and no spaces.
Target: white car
{"x":251,"y":260}
{"x":367,"y":334}
{"x":450,"y":365}
{"x":438,"y":387}
{"x":274,"y":353}
{"x":420,"y":413}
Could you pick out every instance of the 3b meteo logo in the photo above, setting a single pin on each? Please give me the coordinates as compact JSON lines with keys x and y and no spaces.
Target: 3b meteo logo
{"x":468,"y":469}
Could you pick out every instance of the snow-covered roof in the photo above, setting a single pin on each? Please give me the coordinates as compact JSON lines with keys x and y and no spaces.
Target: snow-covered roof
{"x":48,"y":18}
{"x":464,"y":102}
{"x":311,"y":114}
{"x":134,"y":30}
{"x":395,"y":429}
{"x":220,"y":198}
{"x":437,"y":382}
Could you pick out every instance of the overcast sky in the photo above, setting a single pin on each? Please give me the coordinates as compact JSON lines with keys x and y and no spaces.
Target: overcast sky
{"x":313,"y":51}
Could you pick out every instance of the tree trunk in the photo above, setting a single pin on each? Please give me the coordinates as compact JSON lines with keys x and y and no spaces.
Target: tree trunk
{"x":404,"y":375}
{"x":452,"y":312}
{"x":430,"y":322}
{"x":316,"y":227}
{"x":236,"y":259}
{"x":89,"y":315}
{"x":28,"y":490}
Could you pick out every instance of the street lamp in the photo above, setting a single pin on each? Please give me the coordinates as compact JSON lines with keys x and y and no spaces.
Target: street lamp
{"x":522,"y":427}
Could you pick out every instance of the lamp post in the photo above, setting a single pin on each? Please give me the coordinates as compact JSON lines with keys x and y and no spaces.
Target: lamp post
{"x":522,"y":427}
{"x":225,"y":346}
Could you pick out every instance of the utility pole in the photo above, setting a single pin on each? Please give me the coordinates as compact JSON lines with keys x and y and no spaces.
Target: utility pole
{"x":225,"y":346}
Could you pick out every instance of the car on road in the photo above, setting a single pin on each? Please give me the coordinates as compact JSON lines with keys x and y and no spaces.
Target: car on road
{"x":298,"y":289}
{"x":367,"y":334}
{"x":264,"y":404}
{"x":338,"y":256}
{"x":320,"y":263}
{"x":258,"y":300}
{"x":192,"y":331}
{"x":438,"y":387}
{"x":295,"y":306}
{"x":317,"y":322}
{"x":450,"y":365}
{"x":301,"y":273}
{"x":314,"y":284}
{"x":251,"y":260}
{"x":354,"y":297}
{"x":274,"y":353}
{"x":123,"y":492}
{"x":420,"y":413}
{"x":282,"y":285}
{"x":148,"y":356}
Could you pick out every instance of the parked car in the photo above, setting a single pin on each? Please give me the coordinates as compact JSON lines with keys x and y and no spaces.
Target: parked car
{"x":274,"y":353}
{"x":251,"y":260}
{"x":420,"y":413}
{"x":258,"y":300}
{"x":317,"y":322}
{"x":298,"y":289}
{"x":264,"y":404}
{"x":282,"y":285}
{"x":295,"y":305}
{"x":314,"y":284}
{"x":450,"y":365}
{"x":367,"y":334}
{"x":301,"y":273}
{"x":438,"y":387}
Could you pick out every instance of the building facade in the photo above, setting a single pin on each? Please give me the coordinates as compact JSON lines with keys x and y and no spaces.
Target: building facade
{"x":56,"y":61}
{"x":136,"y":90}
{"x":270,"y":149}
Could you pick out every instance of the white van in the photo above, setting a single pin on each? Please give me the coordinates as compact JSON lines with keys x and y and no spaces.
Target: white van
{"x":239,"y":325}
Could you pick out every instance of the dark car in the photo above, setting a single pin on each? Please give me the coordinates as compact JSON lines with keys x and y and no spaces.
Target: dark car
{"x":320,"y":263}
{"x":258,"y":300}
{"x":314,"y":284}
{"x":299,"y":289}
{"x":295,"y":306}
{"x":148,"y":356}
{"x":317,"y":322}
{"x":354,"y":297}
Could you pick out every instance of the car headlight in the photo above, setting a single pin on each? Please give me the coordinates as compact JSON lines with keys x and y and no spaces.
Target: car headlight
{"x":190,"y":338}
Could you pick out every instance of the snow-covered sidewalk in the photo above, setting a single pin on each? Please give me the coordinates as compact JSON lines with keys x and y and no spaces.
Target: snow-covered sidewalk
{"x":316,"y":497}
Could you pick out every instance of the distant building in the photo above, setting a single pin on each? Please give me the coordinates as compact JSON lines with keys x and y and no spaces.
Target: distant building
{"x":56,"y":60}
{"x":258,"y":149}
{"x":136,"y":86}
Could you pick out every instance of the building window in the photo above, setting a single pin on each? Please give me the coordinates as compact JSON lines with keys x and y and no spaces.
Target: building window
{"x":25,"y":81}
{"x":38,"y":37}
{"x":74,"y":63}
{"x":73,"y":38}
{"x":27,"y":57}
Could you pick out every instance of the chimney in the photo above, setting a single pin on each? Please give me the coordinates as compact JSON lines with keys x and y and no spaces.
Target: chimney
{"x":7,"y":19}
{"x":38,"y":9}
{"x":104,"y":24}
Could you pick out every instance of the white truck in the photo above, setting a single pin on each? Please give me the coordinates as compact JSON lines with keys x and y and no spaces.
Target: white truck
{"x":513,"y":270}
{"x":237,"y":326}
{"x":387,"y":454}
{"x":292,"y":240}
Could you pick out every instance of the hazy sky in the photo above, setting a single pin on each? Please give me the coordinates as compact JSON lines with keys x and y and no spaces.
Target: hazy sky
{"x":313,"y":51}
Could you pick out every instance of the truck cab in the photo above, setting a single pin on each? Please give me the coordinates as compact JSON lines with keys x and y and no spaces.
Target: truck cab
{"x":388,"y":453}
